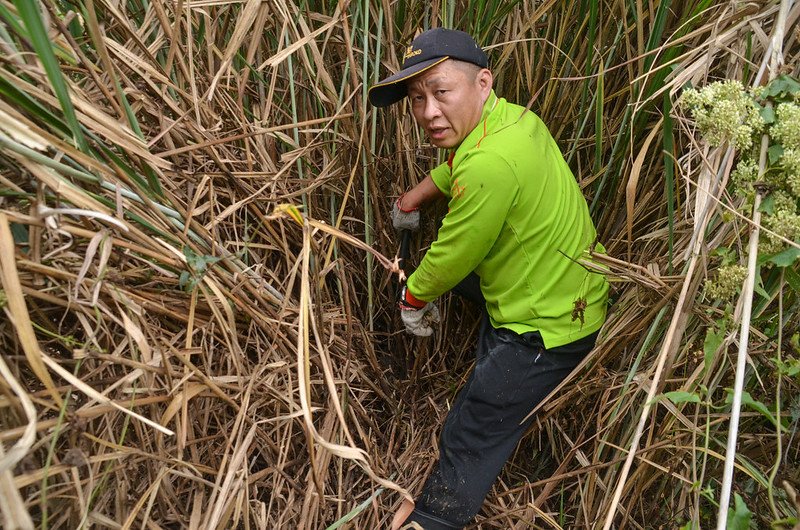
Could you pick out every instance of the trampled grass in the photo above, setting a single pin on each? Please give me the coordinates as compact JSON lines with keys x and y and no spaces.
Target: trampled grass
{"x":197,"y":336}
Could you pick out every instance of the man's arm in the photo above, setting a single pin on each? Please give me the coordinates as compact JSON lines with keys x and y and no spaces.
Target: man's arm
{"x":423,"y":192}
{"x":486,"y":190}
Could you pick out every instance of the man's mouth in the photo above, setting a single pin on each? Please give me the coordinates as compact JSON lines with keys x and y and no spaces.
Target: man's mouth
{"x":437,"y":133}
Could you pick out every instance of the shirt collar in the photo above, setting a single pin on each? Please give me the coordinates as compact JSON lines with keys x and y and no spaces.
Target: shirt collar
{"x":489,"y":106}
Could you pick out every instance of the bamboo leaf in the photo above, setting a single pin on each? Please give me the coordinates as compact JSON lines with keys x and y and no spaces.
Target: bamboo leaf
{"x":711,"y":344}
{"x":31,"y":16}
{"x":355,"y":511}
{"x":749,"y":401}
{"x":682,"y":397}
{"x":785,"y":258}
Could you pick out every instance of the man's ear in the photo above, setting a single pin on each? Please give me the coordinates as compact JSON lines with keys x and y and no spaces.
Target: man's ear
{"x":485,"y":80}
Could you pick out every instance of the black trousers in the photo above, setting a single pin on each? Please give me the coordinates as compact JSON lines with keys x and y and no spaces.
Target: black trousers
{"x":512,"y":374}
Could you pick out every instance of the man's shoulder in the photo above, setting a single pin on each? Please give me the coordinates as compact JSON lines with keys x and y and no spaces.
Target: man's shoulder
{"x":516,"y":120}
{"x":512,"y":137}
{"x":482,"y":159}
{"x":515,"y":133}
{"x":485,"y":166}
{"x":507,"y":136}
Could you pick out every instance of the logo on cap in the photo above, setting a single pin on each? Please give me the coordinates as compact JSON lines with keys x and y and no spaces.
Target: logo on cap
{"x":411,"y":52}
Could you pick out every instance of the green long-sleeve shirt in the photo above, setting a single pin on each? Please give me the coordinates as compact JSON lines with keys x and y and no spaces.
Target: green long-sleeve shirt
{"x":518,"y":219}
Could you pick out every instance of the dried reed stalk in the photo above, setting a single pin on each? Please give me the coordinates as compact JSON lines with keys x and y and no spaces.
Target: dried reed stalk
{"x":199,"y":310}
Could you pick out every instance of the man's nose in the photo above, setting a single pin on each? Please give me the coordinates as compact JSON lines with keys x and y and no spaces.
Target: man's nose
{"x":432,"y":109}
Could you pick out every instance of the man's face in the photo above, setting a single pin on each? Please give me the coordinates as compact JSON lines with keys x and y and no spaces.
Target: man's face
{"x":447,"y":101}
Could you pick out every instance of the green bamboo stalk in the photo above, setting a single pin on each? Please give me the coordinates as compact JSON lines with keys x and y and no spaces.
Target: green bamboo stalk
{"x":13,"y":22}
{"x":7,"y":40}
{"x":44,"y":160}
{"x":587,"y":115}
{"x":334,"y":206}
{"x":365,"y":167}
{"x":295,"y":130}
{"x":669,"y":178}
{"x":449,"y":15}
{"x":598,"y":123}
{"x":590,"y":48}
{"x":779,"y":426}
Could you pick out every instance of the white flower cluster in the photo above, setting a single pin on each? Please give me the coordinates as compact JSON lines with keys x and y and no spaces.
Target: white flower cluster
{"x":783,"y":222}
{"x":729,"y":115}
{"x":743,"y":176}
{"x":787,"y":126}
{"x":783,"y":201}
{"x":725,"y":113}
{"x":728,"y":282}
{"x":787,"y":131}
{"x":791,"y":165}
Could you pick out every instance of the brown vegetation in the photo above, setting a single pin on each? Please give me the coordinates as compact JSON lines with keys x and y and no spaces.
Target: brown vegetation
{"x":196,"y":336}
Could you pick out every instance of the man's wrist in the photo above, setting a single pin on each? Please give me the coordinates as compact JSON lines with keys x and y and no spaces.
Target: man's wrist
{"x":410,"y":302}
{"x":407,"y":204}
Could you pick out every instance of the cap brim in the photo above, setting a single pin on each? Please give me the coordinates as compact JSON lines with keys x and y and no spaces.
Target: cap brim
{"x":392,"y":89}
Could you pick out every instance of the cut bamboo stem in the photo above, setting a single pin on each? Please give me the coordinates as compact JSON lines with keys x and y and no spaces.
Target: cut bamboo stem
{"x":744,"y":335}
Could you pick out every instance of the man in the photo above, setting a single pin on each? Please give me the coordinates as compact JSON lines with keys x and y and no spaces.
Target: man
{"x":517,"y":226}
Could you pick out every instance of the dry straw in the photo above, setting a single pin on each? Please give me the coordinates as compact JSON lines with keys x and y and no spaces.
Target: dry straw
{"x":200,"y":327}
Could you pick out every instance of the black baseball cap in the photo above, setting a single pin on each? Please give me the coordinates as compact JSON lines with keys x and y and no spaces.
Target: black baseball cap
{"x":426,"y":51}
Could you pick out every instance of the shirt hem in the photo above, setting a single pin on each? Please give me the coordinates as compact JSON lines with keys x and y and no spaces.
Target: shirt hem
{"x":554,"y":341}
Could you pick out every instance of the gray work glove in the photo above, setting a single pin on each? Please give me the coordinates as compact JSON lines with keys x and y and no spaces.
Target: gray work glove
{"x":418,"y":316}
{"x":404,"y":219}
{"x":420,"y":322}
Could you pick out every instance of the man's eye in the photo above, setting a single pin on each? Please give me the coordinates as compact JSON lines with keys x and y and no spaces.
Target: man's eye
{"x":441,"y":92}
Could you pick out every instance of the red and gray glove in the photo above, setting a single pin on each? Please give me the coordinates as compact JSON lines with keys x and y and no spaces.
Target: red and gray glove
{"x":404,"y":219}
{"x":418,"y":316}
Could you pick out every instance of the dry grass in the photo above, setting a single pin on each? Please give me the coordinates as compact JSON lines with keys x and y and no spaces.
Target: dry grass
{"x":196,"y":336}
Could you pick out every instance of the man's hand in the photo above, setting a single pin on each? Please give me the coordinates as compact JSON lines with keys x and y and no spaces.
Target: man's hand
{"x":418,"y":316}
{"x":420,"y":322}
{"x":404,"y":218}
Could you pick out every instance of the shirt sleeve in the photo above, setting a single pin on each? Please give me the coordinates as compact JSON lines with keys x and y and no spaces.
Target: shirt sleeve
{"x":483,"y":190}
{"x":441,"y":177}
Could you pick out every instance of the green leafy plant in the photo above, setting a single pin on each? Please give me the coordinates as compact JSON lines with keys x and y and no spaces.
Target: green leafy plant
{"x":198,"y":265}
{"x":739,"y":516}
{"x":761,"y":128}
